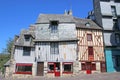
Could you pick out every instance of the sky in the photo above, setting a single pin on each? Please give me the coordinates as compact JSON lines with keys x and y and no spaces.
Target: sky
{"x":16,"y":15}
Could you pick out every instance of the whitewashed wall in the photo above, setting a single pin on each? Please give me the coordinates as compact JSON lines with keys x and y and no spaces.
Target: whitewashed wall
{"x":67,"y":52}
{"x":19,"y":58}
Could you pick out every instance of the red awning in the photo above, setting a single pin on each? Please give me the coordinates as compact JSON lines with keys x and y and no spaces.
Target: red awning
{"x":23,"y":64}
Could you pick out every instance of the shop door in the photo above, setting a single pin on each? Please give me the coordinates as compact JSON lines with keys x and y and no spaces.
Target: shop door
{"x":103,"y":67}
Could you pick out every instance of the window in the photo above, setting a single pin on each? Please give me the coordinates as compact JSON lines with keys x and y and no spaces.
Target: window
{"x":88,"y":66}
{"x":117,"y":61}
{"x":90,"y":50}
{"x":117,"y":37}
{"x":89,"y":37}
{"x":50,"y":67}
{"x":83,"y":66}
{"x":115,"y":24}
{"x":23,"y":68}
{"x":54,"y":48}
{"x":113,"y":10}
{"x":26,"y":51}
{"x":87,"y":24}
{"x":93,"y":66}
{"x":67,"y":67}
{"x":27,"y":37}
{"x":117,"y":0}
{"x":54,"y":26}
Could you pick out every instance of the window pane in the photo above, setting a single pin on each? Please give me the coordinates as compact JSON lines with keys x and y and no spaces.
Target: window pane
{"x":83,"y":66}
{"x":113,"y":10}
{"x":24,"y":69}
{"x":90,"y":50}
{"x":54,"y":26}
{"x":51,"y":67}
{"x":26,"y":51}
{"x":93,"y":67}
{"x":89,"y":37}
{"x":117,"y":37}
{"x":54,"y":48}
{"x":67,"y":67}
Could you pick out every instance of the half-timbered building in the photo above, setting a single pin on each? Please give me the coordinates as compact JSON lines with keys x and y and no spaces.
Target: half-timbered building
{"x":90,"y":46}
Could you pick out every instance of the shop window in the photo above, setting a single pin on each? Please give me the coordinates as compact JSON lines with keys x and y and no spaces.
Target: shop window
{"x":89,"y":37}
{"x":50,"y":67}
{"x":83,"y":66}
{"x":26,"y":51}
{"x":93,"y":66}
{"x":67,"y":68}
{"x":23,"y":68}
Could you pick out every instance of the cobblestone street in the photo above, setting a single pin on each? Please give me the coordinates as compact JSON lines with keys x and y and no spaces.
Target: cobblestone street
{"x":103,"y":76}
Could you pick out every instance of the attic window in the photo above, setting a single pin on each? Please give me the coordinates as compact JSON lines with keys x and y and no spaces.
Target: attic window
{"x":54,"y":26}
{"x":27,"y":37}
{"x":87,"y":24}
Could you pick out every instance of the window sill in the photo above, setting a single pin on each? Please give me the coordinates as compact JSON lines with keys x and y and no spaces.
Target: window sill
{"x":23,"y":73}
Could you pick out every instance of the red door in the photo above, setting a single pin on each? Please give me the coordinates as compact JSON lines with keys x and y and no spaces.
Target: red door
{"x":57,"y":69}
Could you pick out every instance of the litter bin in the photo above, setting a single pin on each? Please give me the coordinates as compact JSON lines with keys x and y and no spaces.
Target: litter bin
{"x":57,"y":74}
{"x":88,"y":71}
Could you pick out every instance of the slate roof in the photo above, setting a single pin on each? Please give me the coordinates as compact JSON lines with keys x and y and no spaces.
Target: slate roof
{"x":21,"y":41}
{"x":62,"y":18}
{"x":81,"y":23}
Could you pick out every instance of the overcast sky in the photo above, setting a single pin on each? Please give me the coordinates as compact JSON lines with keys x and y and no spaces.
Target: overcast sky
{"x":16,"y":15}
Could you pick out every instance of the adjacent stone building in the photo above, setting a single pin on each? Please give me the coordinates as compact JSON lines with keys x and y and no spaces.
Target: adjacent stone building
{"x":107,"y":15}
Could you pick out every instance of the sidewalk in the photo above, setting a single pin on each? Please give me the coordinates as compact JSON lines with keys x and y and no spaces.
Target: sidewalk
{"x":101,"y":76}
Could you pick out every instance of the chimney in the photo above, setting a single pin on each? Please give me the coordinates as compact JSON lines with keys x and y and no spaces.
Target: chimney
{"x":70,"y":12}
{"x":65,"y":12}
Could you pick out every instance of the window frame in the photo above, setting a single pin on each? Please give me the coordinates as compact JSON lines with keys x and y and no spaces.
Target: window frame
{"x":89,"y":37}
{"x":54,"y":26}
{"x":117,"y":38}
{"x":23,"y":66}
{"x":50,"y":71}
{"x":68,"y":64}
{"x":90,"y":51}
{"x":113,"y":11}
{"x":26,"y":51}
{"x":27,"y":38}
{"x":54,"y":48}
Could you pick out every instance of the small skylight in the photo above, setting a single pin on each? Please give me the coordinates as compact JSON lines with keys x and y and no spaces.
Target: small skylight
{"x":87,"y":24}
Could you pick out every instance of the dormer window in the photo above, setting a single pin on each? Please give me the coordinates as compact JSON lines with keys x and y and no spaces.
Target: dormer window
{"x":87,"y":24}
{"x":27,"y":37}
{"x":54,"y":26}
